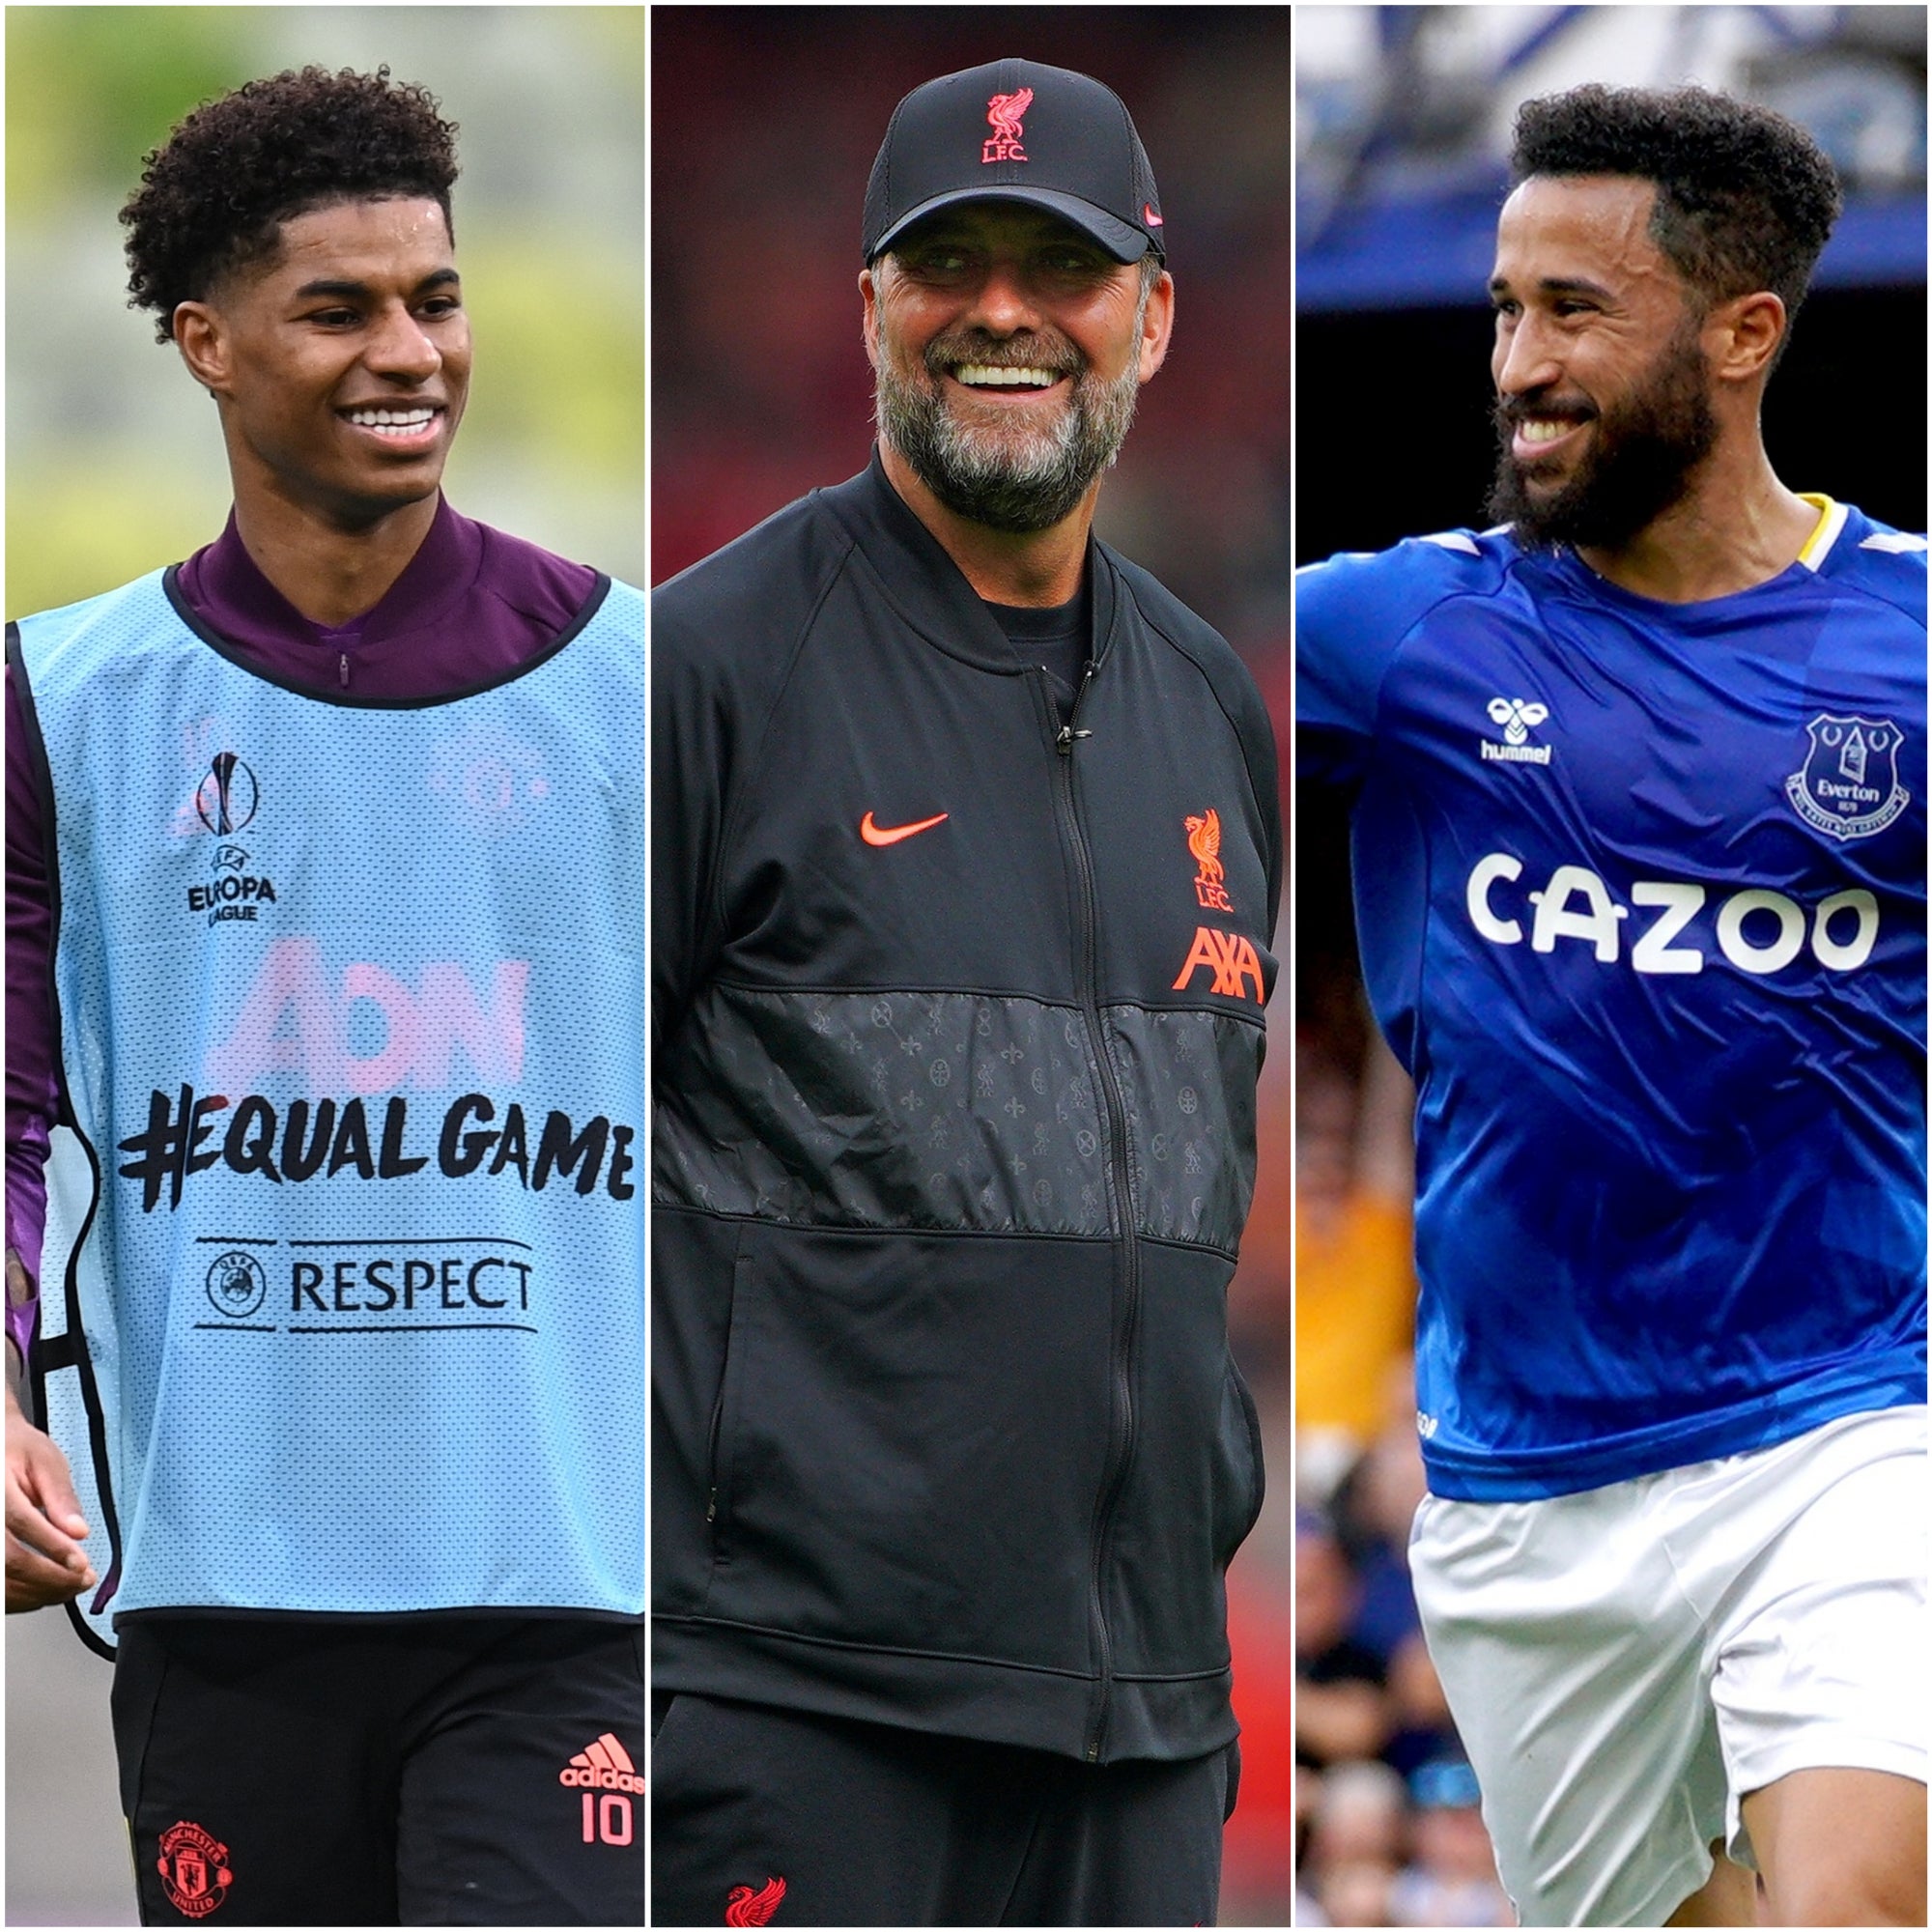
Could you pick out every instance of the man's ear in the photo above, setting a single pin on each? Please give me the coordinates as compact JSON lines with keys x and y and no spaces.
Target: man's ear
{"x":869,"y":294}
{"x":1741,"y":336}
{"x":202,"y":342}
{"x":1157,"y":326}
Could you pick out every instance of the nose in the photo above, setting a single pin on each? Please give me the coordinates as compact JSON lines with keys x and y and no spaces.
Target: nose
{"x":399,"y":347}
{"x":1525,"y":356}
{"x":1004,"y":304}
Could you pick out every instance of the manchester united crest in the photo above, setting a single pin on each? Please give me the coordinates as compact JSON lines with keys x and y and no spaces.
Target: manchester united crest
{"x":1848,"y":786}
{"x":194,"y":1870}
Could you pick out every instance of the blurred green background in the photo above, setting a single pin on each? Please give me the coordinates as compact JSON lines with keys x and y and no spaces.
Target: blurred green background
{"x":114,"y":460}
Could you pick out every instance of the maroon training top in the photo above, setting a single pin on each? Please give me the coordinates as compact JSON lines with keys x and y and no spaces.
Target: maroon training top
{"x":469,"y":603}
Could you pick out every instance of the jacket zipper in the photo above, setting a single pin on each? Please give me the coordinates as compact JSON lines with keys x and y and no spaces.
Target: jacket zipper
{"x":1124,"y":1421}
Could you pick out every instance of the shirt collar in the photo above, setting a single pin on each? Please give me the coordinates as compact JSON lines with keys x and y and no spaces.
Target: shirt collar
{"x":227,"y":587}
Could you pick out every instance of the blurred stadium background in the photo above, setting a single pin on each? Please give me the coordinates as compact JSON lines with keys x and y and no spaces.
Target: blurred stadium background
{"x":114,"y":465}
{"x":1401,"y":124}
{"x":764,"y":123}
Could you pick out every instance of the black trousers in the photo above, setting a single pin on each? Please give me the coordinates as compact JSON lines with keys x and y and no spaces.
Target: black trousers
{"x":441,"y":1771}
{"x":763,"y":1816}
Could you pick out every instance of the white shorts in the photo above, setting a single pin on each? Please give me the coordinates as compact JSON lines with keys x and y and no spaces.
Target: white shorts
{"x":1627,"y":1664}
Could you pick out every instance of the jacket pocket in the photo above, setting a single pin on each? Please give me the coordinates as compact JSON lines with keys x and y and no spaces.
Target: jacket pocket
{"x":911,"y":1434}
{"x":722,"y":1450}
{"x":1256,"y":1486}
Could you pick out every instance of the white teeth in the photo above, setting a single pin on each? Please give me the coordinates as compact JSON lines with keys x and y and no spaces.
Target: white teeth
{"x":392,"y":422}
{"x":984,"y":376}
{"x":1539,"y":429}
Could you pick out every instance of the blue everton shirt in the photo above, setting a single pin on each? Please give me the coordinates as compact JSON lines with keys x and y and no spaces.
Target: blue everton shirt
{"x":1641,"y":892}
{"x":345,"y":1253}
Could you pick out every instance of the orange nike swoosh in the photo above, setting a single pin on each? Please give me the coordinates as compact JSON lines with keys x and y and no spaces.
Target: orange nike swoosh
{"x":890,"y":834}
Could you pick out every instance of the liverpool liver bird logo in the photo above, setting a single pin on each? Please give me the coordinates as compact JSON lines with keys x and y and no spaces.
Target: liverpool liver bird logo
{"x":1204,"y":841}
{"x":1004,"y":111}
{"x":744,"y":1907}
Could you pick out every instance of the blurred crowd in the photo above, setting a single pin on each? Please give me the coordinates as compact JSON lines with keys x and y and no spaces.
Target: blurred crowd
{"x":1387,"y":1825}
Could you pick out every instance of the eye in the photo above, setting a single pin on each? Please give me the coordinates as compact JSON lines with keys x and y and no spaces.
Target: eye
{"x":334,"y":318}
{"x":1075,"y":265}
{"x":935,"y":259}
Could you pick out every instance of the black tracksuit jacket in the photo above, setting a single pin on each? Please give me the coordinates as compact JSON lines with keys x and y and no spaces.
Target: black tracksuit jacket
{"x":954,"y":1142}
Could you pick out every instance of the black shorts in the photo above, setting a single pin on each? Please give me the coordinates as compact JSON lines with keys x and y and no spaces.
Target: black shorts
{"x":436,"y":1771}
{"x":763,"y":1816}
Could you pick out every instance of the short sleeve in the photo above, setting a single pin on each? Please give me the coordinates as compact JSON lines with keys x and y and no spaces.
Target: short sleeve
{"x":1351,"y":614}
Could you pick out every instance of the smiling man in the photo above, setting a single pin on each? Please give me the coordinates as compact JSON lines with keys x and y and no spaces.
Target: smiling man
{"x":323,"y":1131}
{"x":965,"y":863}
{"x":1641,"y":869}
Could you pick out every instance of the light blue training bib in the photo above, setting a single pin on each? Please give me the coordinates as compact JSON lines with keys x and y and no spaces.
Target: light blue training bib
{"x":344,"y":1280}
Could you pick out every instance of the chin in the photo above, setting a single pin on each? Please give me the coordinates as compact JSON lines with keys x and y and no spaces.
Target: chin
{"x":406,"y":482}
{"x":370,"y":500}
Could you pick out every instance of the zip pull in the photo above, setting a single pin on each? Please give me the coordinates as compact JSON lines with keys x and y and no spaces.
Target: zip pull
{"x":1063,"y":743}
{"x":342,"y":670}
{"x":711,"y":1508}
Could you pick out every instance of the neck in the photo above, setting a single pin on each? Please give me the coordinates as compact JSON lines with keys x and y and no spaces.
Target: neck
{"x":1737,"y":526}
{"x":1039,"y":568}
{"x":333,"y":573}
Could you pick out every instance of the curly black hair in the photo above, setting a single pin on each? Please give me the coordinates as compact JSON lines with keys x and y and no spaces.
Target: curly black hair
{"x":216,"y":192}
{"x":1745,"y":199}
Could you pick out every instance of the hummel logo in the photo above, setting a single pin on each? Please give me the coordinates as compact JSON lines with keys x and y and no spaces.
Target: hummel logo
{"x":890,"y":834}
{"x":1519,"y":717}
{"x":604,"y":1766}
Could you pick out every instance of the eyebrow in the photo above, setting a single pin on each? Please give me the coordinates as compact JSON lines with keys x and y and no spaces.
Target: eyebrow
{"x":328,"y":286}
{"x":1555,"y":285}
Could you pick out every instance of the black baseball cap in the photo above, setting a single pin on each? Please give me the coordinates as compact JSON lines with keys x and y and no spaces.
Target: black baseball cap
{"x":1016,"y":130}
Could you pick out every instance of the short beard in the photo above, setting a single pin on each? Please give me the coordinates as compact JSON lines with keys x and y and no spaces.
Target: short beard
{"x":984,"y":476}
{"x":1639,"y":466}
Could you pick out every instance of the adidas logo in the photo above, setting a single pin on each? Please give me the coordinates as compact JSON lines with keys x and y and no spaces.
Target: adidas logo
{"x":604,"y":1766}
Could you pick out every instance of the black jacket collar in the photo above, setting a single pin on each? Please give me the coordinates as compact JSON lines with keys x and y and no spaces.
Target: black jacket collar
{"x":929,"y":590}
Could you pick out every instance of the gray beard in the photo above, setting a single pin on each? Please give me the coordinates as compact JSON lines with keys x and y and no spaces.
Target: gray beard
{"x":1023,"y":486}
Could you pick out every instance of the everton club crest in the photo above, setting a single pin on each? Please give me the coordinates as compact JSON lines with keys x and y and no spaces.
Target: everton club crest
{"x":1848,"y":785}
